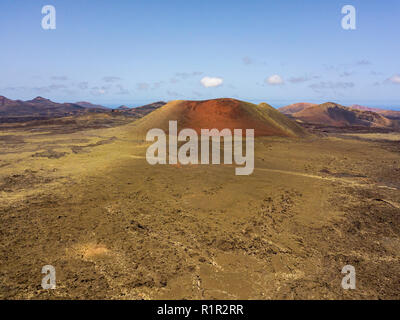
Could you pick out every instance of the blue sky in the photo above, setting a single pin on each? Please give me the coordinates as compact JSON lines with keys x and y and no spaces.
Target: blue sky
{"x":129,"y":52}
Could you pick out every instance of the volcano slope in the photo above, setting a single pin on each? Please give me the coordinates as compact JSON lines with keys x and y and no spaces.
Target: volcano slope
{"x":115,"y":227}
{"x":332,"y":114}
{"x":390,"y":114}
{"x":295,"y":107}
{"x":221,"y":114}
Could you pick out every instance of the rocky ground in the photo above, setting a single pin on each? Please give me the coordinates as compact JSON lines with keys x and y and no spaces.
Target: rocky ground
{"x":114,"y":227}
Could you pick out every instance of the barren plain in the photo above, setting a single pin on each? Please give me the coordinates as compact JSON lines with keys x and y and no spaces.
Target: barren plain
{"x":84,"y":200}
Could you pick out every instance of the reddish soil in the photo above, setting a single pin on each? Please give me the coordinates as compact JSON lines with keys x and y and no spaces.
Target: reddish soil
{"x":223,"y":114}
{"x":296,"y":107}
{"x":332,"y":114}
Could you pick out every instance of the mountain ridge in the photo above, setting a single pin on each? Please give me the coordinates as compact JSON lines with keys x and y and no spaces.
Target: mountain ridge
{"x":333,"y":114}
{"x":41,"y":108}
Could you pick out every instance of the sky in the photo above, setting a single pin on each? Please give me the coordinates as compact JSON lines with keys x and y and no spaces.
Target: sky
{"x":132,"y":52}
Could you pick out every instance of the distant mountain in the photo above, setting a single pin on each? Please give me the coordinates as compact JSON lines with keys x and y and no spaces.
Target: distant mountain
{"x":295,"y":107}
{"x":332,"y":114}
{"x":38,"y":108}
{"x":123,"y":108}
{"x":5,"y":102}
{"x":143,"y":110}
{"x":139,"y":112}
{"x":40,"y":100}
{"x":90,"y":105}
{"x":42,"y":109}
{"x":363,"y":108}
{"x":390,"y":114}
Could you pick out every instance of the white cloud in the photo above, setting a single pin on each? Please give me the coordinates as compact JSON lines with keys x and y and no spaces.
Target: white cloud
{"x":395,"y":79}
{"x":274,"y":80}
{"x":211,"y":82}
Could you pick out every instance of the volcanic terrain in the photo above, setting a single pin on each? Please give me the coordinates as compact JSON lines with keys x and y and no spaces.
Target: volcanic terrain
{"x":115,"y":227}
{"x":295,"y":107}
{"x":332,"y":114}
{"x":390,"y":114}
{"x":220,"y":114}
